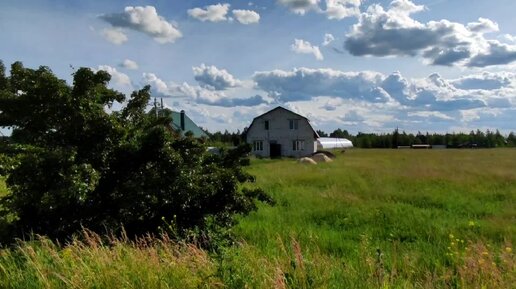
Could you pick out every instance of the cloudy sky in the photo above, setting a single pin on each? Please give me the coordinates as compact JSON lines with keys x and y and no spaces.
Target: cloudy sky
{"x":360,"y":65}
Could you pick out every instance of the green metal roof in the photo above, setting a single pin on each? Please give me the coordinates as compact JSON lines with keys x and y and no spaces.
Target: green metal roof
{"x":189,"y":125}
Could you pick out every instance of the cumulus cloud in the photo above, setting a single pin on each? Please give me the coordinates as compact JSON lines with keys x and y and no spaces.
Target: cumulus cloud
{"x":198,"y":94}
{"x":352,"y":116}
{"x":340,"y":9}
{"x":433,"y":93}
{"x":305,"y":47}
{"x":145,"y":20}
{"x":119,"y":80}
{"x":436,"y":115}
{"x":485,"y":81}
{"x":334,"y":9}
{"x":497,"y":53}
{"x":212,"y":78}
{"x":306,"y":83}
{"x":328,"y":38}
{"x":211,"y":13}
{"x":509,"y":38}
{"x":300,"y":6}
{"x":246,"y":16}
{"x":483,"y":25}
{"x":129,"y":64}
{"x":114,"y":35}
{"x":393,"y":32}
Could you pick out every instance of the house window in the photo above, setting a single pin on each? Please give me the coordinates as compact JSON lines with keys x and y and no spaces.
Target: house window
{"x":294,"y":123}
{"x":266,"y":125}
{"x":298,"y":145}
{"x":258,"y":145}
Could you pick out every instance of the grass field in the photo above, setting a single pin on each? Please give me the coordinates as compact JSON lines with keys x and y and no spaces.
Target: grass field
{"x":370,"y":219}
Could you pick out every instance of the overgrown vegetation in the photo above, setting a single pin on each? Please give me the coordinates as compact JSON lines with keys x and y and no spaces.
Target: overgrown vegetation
{"x":71,"y":165}
{"x":370,"y":219}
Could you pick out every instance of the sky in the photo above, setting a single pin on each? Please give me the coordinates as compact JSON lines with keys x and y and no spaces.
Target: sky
{"x":360,"y":65}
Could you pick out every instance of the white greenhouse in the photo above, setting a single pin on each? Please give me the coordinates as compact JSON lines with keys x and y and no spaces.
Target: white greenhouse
{"x":326,"y":143}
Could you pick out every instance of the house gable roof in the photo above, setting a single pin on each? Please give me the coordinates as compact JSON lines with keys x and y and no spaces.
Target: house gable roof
{"x":189,"y":125}
{"x":282,"y":108}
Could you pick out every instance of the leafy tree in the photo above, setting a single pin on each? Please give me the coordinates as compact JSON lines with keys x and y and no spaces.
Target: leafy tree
{"x":322,"y":133}
{"x":71,"y":164}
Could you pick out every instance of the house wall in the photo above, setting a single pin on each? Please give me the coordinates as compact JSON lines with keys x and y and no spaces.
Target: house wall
{"x":279,"y":132}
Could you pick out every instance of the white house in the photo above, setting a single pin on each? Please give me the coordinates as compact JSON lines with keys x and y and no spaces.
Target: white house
{"x":281,"y":132}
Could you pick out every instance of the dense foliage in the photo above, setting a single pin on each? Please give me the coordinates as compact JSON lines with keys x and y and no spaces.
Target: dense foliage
{"x":487,"y":139}
{"x":71,"y":163}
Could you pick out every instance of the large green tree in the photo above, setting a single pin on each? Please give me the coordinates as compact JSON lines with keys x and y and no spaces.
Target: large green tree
{"x":71,"y":163}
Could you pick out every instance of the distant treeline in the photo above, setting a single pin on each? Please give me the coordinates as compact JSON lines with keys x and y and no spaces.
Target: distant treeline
{"x":478,"y":138}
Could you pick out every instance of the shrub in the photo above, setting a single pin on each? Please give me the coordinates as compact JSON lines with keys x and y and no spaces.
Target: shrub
{"x":71,"y":164}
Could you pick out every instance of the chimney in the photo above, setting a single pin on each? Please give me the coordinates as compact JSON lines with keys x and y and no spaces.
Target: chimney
{"x":182,"y":120}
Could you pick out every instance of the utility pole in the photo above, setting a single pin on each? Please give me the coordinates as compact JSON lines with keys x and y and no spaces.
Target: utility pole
{"x":155,"y":107}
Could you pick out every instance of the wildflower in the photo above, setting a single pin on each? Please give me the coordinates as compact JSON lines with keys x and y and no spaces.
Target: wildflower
{"x":471,"y":223}
{"x":508,"y":249}
{"x":451,"y":236}
{"x":485,"y":253}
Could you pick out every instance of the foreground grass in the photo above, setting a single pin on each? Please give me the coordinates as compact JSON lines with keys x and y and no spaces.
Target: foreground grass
{"x":371,"y":219}
{"x":422,"y":210}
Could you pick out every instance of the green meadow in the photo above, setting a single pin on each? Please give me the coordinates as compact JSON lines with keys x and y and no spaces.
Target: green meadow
{"x":369,"y":219}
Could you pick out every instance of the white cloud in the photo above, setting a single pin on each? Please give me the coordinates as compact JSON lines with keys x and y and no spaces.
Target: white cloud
{"x":145,"y":20}
{"x":483,"y":25}
{"x":129,"y":64}
{"x":485,"y":81}
{"x":359,"y":101}
{"x":427,"y":114}
{"x":306,"y":83}
{"x":213,"y":78}
{"x":497,"y":54}
{"x":334,"y":9}
{"x":305,"y":47}
{"x":198,"y":94}
{"x":328,"y":38}
{"x":119,"y":80}
{"x":432,"y":93}
{"x":340,"y":9}
{"x":509,"y":38}
{"x":211,"y":13}
{"x":246,"y":16}
{"x":393,"y":32}
{"x":114,"y":35}
{"x":300,"y":6}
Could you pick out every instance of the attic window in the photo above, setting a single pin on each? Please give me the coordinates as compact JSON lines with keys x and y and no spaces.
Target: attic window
{"x":294,"y":123}
{"x":266,"y":125}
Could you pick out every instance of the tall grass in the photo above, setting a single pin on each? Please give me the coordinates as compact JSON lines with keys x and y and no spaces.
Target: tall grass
{"x":370,"y":219}
{"x":405,"y":203}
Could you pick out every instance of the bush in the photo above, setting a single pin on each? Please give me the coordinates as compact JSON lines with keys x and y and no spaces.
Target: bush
{"x":71,"y":164}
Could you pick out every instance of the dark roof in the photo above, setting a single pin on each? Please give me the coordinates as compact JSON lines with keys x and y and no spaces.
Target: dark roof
{"x":280,"y":107}
{"x":189,"y":125}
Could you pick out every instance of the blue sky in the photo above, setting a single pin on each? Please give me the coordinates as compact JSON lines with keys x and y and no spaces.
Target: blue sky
{"x":360,"y":65}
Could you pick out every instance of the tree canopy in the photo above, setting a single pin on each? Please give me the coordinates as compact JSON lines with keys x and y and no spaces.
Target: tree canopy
{"x":71,"y":163}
